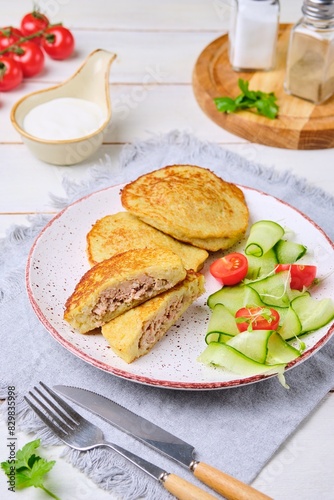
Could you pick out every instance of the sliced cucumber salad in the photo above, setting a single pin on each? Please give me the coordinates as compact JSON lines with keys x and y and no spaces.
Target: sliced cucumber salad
{"x":256,"y":325}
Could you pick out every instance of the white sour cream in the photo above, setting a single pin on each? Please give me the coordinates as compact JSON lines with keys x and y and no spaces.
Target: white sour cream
{"x":64,"y":118}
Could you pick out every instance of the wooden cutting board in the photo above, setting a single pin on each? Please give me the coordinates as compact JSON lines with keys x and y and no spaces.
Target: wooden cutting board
{"x":300,"y":125}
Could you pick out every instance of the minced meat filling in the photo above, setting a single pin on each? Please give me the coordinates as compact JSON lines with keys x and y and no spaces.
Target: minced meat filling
{"x":133,"y":290}
{"x":153,"y":329}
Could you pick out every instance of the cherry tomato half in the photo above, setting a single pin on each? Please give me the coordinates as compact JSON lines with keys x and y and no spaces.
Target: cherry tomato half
{"x":10,"y":73}
{"x":8,"y":36}
{"x":32,"y":22}
{"x":58,"y":42}
{"x":231,"y":269}
{"x":31,"y":59}
{"x":301,"y":276}
{"x":257,"y":318}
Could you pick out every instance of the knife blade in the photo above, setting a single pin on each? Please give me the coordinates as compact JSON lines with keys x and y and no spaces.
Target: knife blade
{"x":161,"y":440}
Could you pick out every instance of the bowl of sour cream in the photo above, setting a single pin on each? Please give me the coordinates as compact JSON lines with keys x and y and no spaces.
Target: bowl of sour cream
{"x":65,"y":124}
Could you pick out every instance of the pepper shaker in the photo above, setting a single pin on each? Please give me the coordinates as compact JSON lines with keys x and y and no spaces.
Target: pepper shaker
{"x":253,"y":34}
{"x":310,"y":60}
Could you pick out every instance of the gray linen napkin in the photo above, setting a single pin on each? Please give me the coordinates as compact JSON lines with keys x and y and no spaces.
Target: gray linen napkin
{"x":237,"y":429}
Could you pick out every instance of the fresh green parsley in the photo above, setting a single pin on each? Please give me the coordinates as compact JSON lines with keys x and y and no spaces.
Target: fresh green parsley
{"x":264,"y":104}
{"x":30,"y":469}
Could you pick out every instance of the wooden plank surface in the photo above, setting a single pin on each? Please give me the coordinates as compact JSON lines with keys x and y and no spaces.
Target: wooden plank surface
{"x":300,"y":124}
{"x":170,"y":34}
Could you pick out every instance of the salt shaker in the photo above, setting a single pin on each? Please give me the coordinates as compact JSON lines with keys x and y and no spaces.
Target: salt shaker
{"x":253,"y":34}
{"x":310,"y":60}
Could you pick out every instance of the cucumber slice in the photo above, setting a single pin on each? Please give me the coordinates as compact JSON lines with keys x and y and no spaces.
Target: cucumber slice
{"x":252,"y":344}
{"x":275,"y":290}
{"x":261,"y":266}
{"x":313,"y":313}
{"x":222,"y":321}
{"x":291,"y":326}
{"x":288,"y":252}
{"x":226,"y":356}
{"x":280,"y":351}
{"x":263,"y":235}
{"x":234,"y":298}
{"x":217,"y":337}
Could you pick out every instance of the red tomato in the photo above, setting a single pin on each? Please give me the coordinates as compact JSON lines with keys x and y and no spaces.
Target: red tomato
{"x":31,"y":59}
{"x":257,"y":318}
{"x":231,"y":269}
{"x":10,"y":73}
{"x":301,"y":276}
{"x":32,"y":22}
{"x":58,"y":42}
{"x":9,"y":36}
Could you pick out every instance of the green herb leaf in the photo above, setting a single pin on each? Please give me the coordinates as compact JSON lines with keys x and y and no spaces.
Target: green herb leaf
{"x":264,"y":103}
{"x":243,"y":85}
{"x":30,"y":469}
{"x":5,"y":466}
{"x":26,"y":453}
{"x":34,"y":475}
{"x":225,"y":104}
{"x":267,"y":107}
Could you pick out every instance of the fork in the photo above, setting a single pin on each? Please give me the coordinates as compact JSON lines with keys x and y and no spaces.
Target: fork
{"x":80,"y":434}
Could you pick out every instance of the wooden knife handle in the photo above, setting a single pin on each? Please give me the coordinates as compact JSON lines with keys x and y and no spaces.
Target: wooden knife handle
{"x":183,"y":490}
{"x":226,"y":485}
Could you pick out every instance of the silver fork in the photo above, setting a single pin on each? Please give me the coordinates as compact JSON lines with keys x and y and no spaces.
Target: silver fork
{"x":80,"y":434}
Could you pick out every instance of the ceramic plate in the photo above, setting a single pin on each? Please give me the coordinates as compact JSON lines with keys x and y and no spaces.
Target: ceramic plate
{"x":58,"y":259}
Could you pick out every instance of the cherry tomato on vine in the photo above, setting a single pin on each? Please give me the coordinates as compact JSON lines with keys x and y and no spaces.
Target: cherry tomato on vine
{"x":9,"y":36}
{"x":31,"y":59}
{"x":231,"y":269}
{"x":58,"y":42}
{"x":32,"y":22}
{"x":10,"y":73}
{"x":257,"y":318}
{"x":300,"y":276}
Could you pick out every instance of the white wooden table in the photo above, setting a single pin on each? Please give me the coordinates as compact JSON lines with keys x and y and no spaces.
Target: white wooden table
{"x":157,"y":44}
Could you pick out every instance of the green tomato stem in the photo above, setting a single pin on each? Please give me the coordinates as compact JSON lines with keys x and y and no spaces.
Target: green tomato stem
{"x":15,"y":46}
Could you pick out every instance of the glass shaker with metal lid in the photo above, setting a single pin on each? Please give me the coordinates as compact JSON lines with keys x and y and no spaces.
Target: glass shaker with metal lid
{"x":253,"y":34}
{"x":310,"y":59}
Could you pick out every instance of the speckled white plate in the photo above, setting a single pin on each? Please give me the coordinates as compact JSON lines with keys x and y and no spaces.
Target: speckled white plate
{"x":57,"y":261}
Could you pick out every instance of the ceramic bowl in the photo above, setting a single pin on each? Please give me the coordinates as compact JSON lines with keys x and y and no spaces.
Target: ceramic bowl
{"x":90,"y":82}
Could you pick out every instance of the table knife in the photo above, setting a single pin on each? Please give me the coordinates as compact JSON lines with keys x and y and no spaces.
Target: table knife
{"x":159,"y":439}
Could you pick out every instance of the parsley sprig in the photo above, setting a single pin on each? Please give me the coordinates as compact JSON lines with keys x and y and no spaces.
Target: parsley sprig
{"x":262,"y":102}
{"x":30,"y":469}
